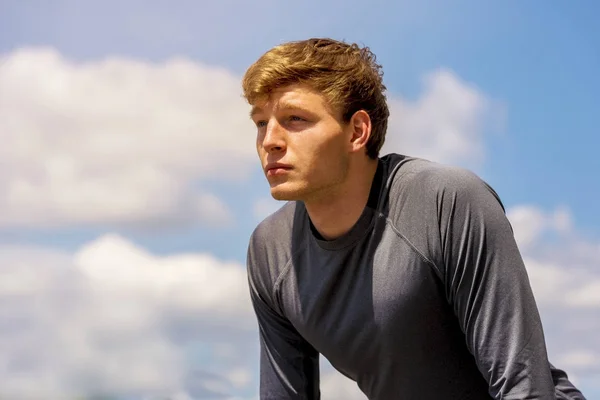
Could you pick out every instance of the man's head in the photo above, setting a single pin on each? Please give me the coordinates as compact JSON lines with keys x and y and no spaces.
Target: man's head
{"x":347,"y":75}
{"x":321,"y":113}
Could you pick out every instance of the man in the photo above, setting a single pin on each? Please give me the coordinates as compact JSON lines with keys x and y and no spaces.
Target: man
{"x":402,"y":272}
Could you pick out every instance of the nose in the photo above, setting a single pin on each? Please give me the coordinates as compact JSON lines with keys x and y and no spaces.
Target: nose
{"x":274,"y":137}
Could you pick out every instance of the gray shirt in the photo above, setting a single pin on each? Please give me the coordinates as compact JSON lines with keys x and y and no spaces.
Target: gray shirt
{"x":426,"y":297}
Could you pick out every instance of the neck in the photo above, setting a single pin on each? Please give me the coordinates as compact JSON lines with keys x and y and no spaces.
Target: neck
{"x":334,"y":214}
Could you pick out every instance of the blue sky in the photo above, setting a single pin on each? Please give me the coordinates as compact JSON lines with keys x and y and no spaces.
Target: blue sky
{"x":534,"y":64}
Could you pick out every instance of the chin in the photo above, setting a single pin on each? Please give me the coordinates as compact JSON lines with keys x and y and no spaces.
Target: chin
{"x":286,"y":192}
{"x":283,"y":195}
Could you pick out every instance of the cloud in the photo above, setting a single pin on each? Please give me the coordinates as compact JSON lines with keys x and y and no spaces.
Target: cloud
{"x":336,"y":386}
{"x":581,"y":358}
{"x":563,"y":274}
{"x":113,"y":319}
{"x":120,"y":141}
{"x":446,"y":123}
{"x":212,"y":211}
{"x":529,"y":223}
{"x":117,"y":140}
{"x":265,"y":206}
{"x":563,"y":269}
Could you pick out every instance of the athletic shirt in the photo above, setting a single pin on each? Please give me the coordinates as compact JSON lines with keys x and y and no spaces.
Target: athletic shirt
{"x":426,"y":297}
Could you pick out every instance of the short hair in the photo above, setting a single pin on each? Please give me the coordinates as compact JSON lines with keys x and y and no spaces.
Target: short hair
{"x":347,"y":75}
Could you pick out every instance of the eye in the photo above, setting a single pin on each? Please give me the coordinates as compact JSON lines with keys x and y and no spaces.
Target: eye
{"x":261,"y":124}
{"x":296,"y":118}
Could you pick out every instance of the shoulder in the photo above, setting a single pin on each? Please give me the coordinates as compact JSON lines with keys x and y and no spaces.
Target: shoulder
{"x":270,"y":247}
{"x":426,"y":200}
{"x":428,"y":184}
{"x":275,"y":230}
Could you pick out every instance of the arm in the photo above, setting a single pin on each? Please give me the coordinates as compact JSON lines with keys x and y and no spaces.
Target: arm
{"x":289,"y":365}
{"x":487,"y":284}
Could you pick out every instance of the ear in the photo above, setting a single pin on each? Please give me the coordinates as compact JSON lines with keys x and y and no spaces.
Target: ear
{"x":360,"y":124}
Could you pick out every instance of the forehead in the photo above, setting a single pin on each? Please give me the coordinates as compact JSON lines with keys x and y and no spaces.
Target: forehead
{"x":293,"y":96}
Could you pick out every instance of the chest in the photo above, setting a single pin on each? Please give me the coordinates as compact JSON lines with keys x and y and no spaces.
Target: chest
{"x":358,"y":306}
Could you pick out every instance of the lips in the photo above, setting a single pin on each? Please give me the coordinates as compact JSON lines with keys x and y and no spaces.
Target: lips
{"x":273,"y":169}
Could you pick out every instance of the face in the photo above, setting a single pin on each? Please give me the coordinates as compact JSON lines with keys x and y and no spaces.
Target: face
{"x":302,"y":145}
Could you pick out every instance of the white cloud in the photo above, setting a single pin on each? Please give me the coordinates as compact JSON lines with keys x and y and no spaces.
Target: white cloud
{"x":123,"y":141}
{"x":549,"y":281}
{"x":240,"y":377}
{"x":563,"y":270}
{"x":446,"y":124}
{"x":195,"y":283}
{"x":115,"y":319}
{"x":569,"y":280}
{"x":529,"y":222}
{"x":117,"y":140}
{"x":336,"y":386}
{"x":587,"y":295}
{"x":266,"y":206}
{"x":212,"y":211}
{"x":581,"y":359}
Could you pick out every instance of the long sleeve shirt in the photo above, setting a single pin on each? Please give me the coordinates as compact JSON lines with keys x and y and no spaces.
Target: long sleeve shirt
{"x":426,"y":297}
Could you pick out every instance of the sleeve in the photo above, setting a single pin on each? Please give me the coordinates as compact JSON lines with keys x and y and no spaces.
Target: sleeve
{"x":488,"y":287}
{"x":289,"y":365}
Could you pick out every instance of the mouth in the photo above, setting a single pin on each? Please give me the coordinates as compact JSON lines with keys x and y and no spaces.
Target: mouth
{"x":276,"y":169}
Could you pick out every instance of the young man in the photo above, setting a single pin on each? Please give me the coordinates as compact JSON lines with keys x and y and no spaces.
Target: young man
{"x":402,"y":272}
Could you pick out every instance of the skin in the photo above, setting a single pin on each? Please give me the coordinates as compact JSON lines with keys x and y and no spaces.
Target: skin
{"x":325,"y":160}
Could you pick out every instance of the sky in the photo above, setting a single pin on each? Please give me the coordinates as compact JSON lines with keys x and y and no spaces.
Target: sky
{"x":129,"y":183}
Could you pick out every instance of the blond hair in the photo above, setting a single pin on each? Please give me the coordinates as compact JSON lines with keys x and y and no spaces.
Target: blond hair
{"x":347,"y":75}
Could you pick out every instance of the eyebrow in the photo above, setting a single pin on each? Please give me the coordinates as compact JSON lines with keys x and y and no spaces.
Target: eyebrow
{"x":255,"y":110}
{"x":281,"y":106}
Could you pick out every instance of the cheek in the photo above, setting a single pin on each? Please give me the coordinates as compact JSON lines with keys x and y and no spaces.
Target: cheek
{"x":332,"y":149}
{"x":328,"y":157}
{"x":259,"y":146}
{"x":258,"y":141}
